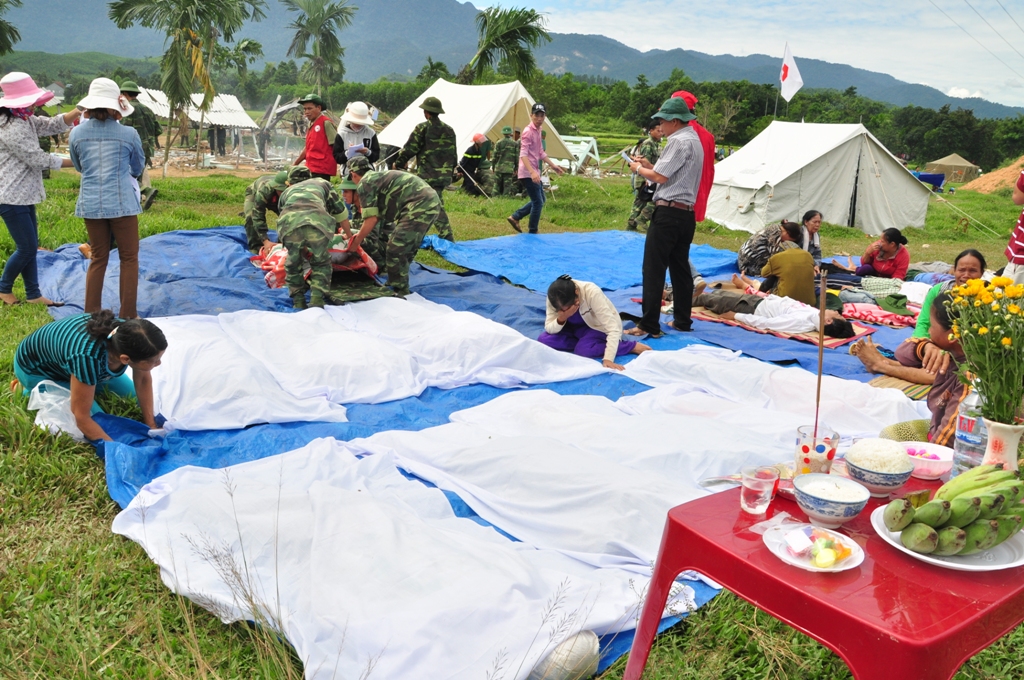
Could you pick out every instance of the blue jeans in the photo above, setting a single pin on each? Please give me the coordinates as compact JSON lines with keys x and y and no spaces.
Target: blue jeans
{"x":535,"y":191}
{"x":24,"y":227}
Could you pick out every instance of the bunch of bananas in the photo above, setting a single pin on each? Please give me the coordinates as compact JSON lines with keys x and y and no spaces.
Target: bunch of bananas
{"x":972,"y":512}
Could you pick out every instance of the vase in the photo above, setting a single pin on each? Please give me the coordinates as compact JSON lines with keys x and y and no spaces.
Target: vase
{"x":1002,"y":444}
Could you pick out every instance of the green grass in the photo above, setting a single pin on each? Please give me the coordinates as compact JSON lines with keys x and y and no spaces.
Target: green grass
{"x":79,"y":602}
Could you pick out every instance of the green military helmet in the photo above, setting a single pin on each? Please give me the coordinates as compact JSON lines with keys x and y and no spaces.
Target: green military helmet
{"x":280,"y":181}
{"x":130,"y":87}
{"x":347,"y":185}
{"x":432,"y":105}
{"x":360,"y":165}
{"x":507,"y":130}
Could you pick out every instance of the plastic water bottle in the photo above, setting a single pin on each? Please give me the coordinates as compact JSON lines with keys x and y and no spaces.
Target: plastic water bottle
{"x":971,"y":437}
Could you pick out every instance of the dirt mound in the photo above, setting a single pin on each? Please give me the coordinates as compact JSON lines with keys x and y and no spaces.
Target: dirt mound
{"x":997,"y":179}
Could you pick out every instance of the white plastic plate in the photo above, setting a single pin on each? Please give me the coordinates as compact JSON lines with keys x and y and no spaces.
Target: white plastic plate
{"x":775,"y":539}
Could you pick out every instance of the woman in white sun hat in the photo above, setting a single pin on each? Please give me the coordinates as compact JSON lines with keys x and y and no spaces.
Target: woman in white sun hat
{"x":21,"y":178}
{"x":109,"y":156}
{"x":356,"y":130}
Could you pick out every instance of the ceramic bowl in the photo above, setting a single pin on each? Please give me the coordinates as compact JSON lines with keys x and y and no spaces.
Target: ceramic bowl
{"x":930,"y":468}
{"x":822,"y":510}
{"x":880,"y":484}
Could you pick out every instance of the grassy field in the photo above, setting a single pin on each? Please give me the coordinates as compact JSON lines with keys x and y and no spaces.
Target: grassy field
{"x":79,"y":602}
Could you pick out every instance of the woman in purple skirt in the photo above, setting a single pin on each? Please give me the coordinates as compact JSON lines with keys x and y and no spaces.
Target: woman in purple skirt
{"x":582,"y":320}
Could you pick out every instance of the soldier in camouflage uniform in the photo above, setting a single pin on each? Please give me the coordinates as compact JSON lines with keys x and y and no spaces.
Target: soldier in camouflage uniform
{"x":405,"y":204}
{"x":643,"y":204}
{"x":263,"y":195}
{"x":432,"y":144}
{"x":145,"y":123}
{"x":486,"y":173}
{"x":311,"y":212}
{"x":506,"y":160}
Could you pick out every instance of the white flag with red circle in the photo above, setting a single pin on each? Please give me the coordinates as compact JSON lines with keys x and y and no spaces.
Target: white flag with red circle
{"x":790,"y":76}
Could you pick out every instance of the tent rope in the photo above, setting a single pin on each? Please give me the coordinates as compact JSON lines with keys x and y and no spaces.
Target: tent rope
{"x":954,"y":208}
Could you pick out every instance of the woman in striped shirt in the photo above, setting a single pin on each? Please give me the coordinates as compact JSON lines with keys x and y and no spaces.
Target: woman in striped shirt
{"x":91,"y":352}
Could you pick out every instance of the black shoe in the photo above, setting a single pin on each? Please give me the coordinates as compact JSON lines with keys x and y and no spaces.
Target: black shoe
{"x":149,"y":199}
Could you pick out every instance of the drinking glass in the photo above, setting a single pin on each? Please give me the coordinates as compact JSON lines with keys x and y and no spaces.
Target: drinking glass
{"x":759,"y":486}
{"x":814,"y":454}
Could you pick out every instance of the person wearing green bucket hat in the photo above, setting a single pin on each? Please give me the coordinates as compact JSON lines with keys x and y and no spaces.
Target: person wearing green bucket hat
{"x":263,"y":195}
{"x":677,"y":178}
{"x":145,"y":123}
{"x":506,"y":156}
{"x":432,"y":144}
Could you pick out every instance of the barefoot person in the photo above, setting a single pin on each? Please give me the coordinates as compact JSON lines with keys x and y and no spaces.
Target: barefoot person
{"x":913,"y":362}
{"x":88,"y":353}
{"x":582,"y":320}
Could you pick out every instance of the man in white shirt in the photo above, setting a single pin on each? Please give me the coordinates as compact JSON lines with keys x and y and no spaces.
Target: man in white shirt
{"x":773,"y":313}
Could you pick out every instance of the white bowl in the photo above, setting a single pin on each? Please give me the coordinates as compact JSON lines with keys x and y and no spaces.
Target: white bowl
{"x":930,"y":468}
{"x":826,"y":512}
{"x":880,"y":484}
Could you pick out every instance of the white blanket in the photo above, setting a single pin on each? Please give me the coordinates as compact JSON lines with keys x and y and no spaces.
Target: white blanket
{"x":248,"y":367}
{"x":358,"y":566}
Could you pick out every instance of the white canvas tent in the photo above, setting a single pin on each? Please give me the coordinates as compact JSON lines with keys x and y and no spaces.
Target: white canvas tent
{"x":840,"y":170}
{"x":470,"y":109}
{"x":226,"y":110}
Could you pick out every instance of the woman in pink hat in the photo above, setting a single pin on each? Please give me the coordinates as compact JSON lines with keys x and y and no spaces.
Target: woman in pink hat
{"x":21,"y":178}
{"x":109,"y":156}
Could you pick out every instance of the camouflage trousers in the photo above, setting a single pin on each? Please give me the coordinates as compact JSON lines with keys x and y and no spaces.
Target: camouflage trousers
{"x":444,"y":227}
{"x":505,"y":184}
{"x":307,"y":243}
{"x":640,"y":217}
{"x":254,"y":239}
{"x":398,"y":242}
{"x":487,"y":179}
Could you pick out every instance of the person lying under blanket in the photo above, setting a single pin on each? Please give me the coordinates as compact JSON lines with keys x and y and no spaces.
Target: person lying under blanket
{"x":773,"y":313}
{"x":582,"y":320}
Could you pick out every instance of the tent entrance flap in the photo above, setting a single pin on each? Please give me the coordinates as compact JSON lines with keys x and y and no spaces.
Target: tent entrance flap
{"x":853,"y":196}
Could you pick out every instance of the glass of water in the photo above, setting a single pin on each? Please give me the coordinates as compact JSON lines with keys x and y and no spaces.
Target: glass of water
{"x":759,"y":486}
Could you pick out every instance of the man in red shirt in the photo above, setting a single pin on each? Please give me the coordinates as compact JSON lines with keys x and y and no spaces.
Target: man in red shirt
{"x":707,"y":141}
{"x":319,"y":150}
{"x":1015,"y":248}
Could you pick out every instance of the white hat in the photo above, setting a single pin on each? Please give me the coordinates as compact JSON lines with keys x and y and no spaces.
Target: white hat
{"x":20,"y":91}
{"x":104,"y":93}
{"x":358,"y":113}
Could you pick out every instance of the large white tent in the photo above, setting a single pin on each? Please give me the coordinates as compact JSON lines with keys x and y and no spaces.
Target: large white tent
{"x":226,"y":111}
{"x":470,"y":109}
{"x":840,"y":170}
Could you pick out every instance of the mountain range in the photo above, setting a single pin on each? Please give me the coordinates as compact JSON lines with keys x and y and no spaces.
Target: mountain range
{"x":396,"y":36}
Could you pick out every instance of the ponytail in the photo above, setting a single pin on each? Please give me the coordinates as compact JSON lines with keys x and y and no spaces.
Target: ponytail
{"x":138,"y":339}
{"x":894,"y":235}
{"x":562,"y":292}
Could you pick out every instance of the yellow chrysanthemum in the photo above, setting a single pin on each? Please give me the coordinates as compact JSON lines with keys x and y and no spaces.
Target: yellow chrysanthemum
{"x":1006,"y":342}
{"x":986,"y":298}
{"x":982,"y":331}
{"x":1013,"y":309}
{"x":995,"y":307}
{"x":977,"y":303}
{"x":1014,"y":291}
{"x":957,"y":300}
{"x":998,"y":294}
{"x":1002,"y":281}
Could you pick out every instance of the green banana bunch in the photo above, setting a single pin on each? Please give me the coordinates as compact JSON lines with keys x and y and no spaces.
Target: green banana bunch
{"x":979,"y":481}
{"x":963,"y":511}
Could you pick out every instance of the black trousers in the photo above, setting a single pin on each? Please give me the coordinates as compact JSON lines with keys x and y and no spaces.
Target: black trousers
{"x":322,"y":175}
{"x":723,"y":301}
{"x":668,"y":247}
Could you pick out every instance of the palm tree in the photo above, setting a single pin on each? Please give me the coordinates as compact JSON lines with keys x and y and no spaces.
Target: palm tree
{"x":8,"y":33}
{"x":507,"y":37}
{"x":316,"y":27}
{"x":433,"y":70}
{"x":192,"y":28}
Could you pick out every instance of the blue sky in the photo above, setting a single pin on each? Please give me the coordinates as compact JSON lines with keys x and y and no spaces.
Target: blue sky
{"x":909,"y":39}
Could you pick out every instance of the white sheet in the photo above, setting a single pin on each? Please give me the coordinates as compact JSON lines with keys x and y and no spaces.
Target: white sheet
{"x":355,"y":564}
{"x":249,"y":367}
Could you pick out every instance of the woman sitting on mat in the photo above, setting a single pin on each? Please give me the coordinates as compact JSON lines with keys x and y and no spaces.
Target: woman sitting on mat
{"x":809,"y":239}
{"x":887,"y":258}
{"x":90,"y":352}
{"x":933,"y":362}
{"x":582,"y":320}
{"x":758,"y":249}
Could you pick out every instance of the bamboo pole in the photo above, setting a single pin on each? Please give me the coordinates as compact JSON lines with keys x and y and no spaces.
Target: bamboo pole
{"x":821,"y":348}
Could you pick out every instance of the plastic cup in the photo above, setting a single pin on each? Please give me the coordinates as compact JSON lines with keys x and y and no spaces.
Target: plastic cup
{"x":814,"y":454}
{"x":758,"y":490}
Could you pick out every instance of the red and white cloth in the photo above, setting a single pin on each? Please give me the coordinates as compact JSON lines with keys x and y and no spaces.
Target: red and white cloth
{"x":875,"y":314}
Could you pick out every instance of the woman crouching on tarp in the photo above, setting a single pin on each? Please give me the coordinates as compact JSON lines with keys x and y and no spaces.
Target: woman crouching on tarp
{"x":91,"y":352}
{"x":582,"y":320}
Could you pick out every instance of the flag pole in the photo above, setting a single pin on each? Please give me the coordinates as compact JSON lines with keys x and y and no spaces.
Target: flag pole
{"x":776,"y":114}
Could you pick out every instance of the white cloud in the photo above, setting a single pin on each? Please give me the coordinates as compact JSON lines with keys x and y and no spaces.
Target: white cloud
{"x":963,"y":93}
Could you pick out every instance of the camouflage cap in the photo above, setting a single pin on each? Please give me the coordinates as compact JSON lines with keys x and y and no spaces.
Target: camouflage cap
{"x":298,"y":173}
{"x":507,"y":130}
{"x":312,"y":98}
{"x":347,"y":185}
{"x":432,"y":104}
{"x":280,"y":181}
{"x":130,"y":86}
{"x":359,"y":165}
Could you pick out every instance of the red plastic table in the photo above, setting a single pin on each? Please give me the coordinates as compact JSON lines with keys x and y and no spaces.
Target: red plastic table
{"x":891,"y":617}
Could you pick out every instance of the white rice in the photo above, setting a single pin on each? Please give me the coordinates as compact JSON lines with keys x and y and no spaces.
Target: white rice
{"x":880,"y":455}
{"x":833,"y":491}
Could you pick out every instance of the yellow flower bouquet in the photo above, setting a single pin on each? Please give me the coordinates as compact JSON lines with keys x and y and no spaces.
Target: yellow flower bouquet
{"x":988,"y":320}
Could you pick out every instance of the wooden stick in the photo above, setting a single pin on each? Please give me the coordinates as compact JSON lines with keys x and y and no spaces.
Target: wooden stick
{"x":821,"y":347}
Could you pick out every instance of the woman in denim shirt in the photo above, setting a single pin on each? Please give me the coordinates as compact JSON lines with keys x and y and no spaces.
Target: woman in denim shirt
{"x":110,"y":157}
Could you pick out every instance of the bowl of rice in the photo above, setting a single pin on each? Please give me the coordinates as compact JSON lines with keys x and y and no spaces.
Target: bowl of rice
{"x":882,"y":465}
{"x":829,"y":501}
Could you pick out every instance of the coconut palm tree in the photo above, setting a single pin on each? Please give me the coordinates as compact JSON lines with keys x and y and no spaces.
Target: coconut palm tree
{"x":507,"y":37}
{"x":316,"y":28}
{"x":193,"y":28}
{"x":8,"y":33}
{"x":433,"y":70}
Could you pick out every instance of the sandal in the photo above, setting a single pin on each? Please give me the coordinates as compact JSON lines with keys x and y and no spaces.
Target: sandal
{"x":515,"y":224}
{"x":44,"y":301}
{"x":9,"y":303}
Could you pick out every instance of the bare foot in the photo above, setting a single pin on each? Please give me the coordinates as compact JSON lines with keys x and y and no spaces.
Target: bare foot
{"x":639,"y":348}
{"x":738,"y":282}
{"x":44,"y":301}
{"x":635,"y":330}
{"x":8,"y":298}
{"x":698,"y":289}
{"x":86,"y":251}
{"x":869,"y":356}
{"x":673,"y":326}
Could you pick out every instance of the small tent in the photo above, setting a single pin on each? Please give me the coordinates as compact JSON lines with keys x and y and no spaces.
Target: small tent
{"x":840,"y":170}
{"x":955,"y":167}
{"x":470,"y":109}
